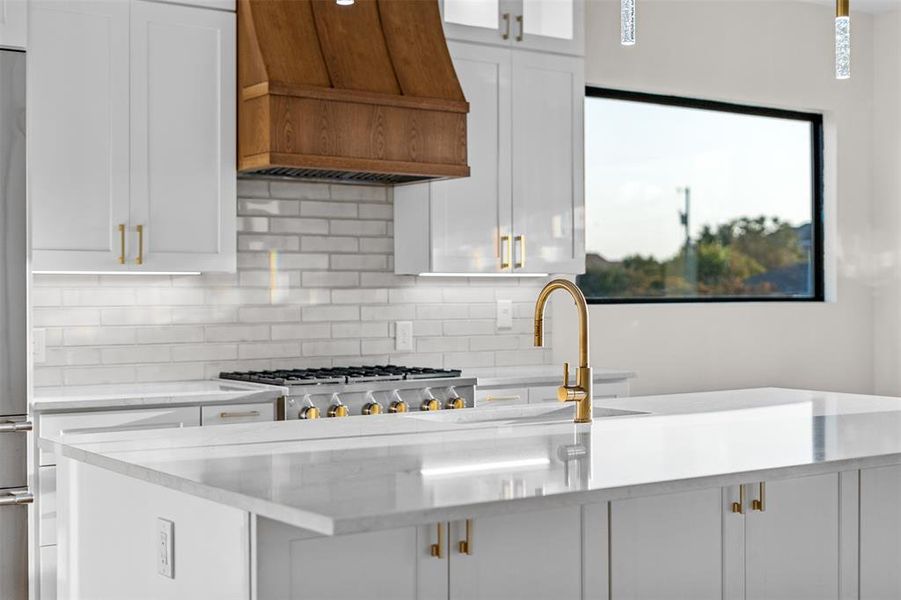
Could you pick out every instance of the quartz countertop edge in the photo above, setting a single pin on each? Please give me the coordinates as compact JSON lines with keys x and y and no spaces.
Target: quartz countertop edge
{"x":505,"y":377}
{"x":330,"y":526}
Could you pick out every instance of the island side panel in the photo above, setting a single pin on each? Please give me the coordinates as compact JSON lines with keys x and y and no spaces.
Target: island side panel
{"x":109,"y":540}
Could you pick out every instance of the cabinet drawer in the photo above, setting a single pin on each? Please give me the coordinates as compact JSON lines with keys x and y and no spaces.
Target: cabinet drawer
{"x":237,"y":413}
{"x":48,"y":573}
{"x":119,"y":420}
{"x":13,"y":458}
{"x":47,"y":505}
{"x":502,"y":397}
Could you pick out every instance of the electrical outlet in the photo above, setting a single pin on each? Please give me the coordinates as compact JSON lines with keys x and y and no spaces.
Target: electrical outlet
{"x":165,"y":551}
{"x":403,"y":336}
{"x":505,"y":314}
{"x":39,"y":346}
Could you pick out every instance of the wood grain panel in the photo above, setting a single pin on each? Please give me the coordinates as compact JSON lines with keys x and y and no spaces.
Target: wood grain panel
{"x":421,"y":60}
{"x":353,"y":46}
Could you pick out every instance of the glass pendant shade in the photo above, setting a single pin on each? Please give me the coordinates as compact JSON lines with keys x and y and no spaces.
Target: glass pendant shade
{"x":842,"y":47}
{"x":627,"y":25}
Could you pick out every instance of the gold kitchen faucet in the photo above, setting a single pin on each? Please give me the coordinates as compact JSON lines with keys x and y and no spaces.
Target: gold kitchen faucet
{"x":581,"y":392}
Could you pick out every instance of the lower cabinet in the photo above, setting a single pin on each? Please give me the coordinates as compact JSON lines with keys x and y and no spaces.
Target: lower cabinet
{"x":534,"y":555}
{"x":880,"y":533}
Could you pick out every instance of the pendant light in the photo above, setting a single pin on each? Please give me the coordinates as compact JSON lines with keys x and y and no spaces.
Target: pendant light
{"x":627,"y":22}
{"x":842,"y":39}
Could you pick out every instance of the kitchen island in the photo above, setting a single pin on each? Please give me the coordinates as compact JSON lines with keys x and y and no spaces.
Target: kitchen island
{"x":765,"y":493}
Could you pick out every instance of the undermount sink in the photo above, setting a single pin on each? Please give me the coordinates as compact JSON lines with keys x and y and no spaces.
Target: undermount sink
{"x":519,"y":415}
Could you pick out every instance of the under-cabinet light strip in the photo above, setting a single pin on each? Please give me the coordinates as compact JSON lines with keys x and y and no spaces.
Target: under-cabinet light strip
{"x":116,"y":272}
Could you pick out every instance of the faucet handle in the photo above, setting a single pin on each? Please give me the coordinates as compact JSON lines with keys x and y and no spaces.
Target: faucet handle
{"x":566,"y":374}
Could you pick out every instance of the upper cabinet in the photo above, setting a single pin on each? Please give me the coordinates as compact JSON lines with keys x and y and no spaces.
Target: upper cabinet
{"x":13,"y":24}
{"x":132,"y":145}
{"x":547,"y":25}
{"x":520,"y":211}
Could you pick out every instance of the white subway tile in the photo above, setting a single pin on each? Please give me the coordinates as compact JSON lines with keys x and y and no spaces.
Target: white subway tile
{"x":174,"y":334}
{"x":418,"y":295}
{"x":376,"y":346}
{"x":103,"y":296}
{"x":300,"y":331}
{"x":122,"y":355}
{"x":494,"y":342}
{"x":302,"y":362}
{"x":442,"y":344}
{"x":464,"y":360}
{"x":442,"y":311}
{"x":359,"y":329}
{"x":99,"y":336}
{"x":470,"y":327}
{"x":268,"y":350}
{"x":41,"y":296}
{"x":257,"y":242}
{"x":47,"y":376}
{"x":98,"y":375}
{"x":309,"y":208}
{"x":72,"y":356}
{"x":236,"y":333}
{"x":393,"y":312}
{"x":383,"y":245}
{"x":332,"y":348}
{"x":299,"y":190}
{"x":421,"y":328}
{"x":65,"y":317}
{"x":376,"y":279}
{"x":204,"y":314}
{"x":371,"y":193}
{"x":301,"y":262}
{"x":468,"y":294}
{"x":303,"y":296}
{"x":330,"y":279}
{"x":312,"y":243}
{"x":360,"y":296}
{"x":358,"y":227}
{"x":376,"y":211}
{"x":302,"y":226}
{"x":359,"y":262}
{"x":217,"y":296}
{"x":253,"y":188}
{"x":268,"y":314}
{"x":269,"y":208}
{"x":169,"y":372}
{"x":435,"y":361}
{"x":515,"y":358}
{"x":204,"y":352}
{"x":174,"y":296}
{"x":253,"y":224}
{"x":331,"y":313}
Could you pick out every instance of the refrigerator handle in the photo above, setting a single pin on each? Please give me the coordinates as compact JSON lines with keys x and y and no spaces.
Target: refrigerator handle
{"x":16,"y":498}
{"x":15,"y":426}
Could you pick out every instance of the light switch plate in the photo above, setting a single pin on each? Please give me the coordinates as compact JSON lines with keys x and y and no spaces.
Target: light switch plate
{"x":403,"y":336}
{"x":165,"y":551}
{"x":505,"y":314}
{"x":39,"y":346}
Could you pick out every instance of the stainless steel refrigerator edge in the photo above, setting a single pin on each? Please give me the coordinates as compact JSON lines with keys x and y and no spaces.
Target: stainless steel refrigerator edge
{"x":14,"y":495}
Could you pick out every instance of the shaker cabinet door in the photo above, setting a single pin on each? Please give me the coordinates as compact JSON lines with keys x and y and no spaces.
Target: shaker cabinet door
{"x":548,"y":207}
{"x":183,"y":173}
{"x":880,"y":533}
{"x":78,"y":134}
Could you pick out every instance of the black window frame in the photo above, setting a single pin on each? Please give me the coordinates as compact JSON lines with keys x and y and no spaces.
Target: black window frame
{"x":817,"y":151}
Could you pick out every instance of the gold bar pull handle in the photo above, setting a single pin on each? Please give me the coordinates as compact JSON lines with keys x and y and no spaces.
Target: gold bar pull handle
{"x":140,"y":259}
{"x":519,"y":21}
{"x":739,"y":507}
{"x":506,"y":34}
{"x":121,"y":243}
{"x":521,"y":240}
{"x":760,"y":503}
{"x":437,"y":550}
{"x":506,"y":245}
{"x":465,"y":546}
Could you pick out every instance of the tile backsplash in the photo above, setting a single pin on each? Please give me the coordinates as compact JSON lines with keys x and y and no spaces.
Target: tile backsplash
{"x":315,"y":287}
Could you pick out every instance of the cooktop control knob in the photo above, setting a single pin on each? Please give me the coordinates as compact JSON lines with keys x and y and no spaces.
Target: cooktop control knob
{"x":429,"y":402}
{"x":338,"y":408}
{"x":398,"y":404}
{"x":454,"y":400}
{"x":309,"y":412}
{"x":372,"y":406}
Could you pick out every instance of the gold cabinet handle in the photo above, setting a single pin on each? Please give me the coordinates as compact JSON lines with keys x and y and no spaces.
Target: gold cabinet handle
{"x":239,"y":415}
{"x":506,"y":34}
{"x":121,"y":243}
{"x":506,"y":244}
{"x":519,"y":22}
{"x":437,"y":550}
{"x":760,"y":503}
{"x":521,"y":240}
{"x":140,"y":259}
{"x":739,"y":507}
{"x":465,"y":546}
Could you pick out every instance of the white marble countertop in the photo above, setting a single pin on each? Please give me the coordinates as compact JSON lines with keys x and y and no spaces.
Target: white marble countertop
{"x":141,"y":395}
{"x":507,"y":377}
{"x":363,"y":473}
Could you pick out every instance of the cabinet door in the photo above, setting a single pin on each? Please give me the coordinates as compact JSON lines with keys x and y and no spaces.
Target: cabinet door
{"x":550,"y":25}
{"x":13,"y":24}
{"x":793,"y":545}
{"x":667,"y":547}
{"x":13,"y":551}
{"x":183,"y":137}
{"x":527,"y":556}
{"x":78,"y":133}
{"x":548,"y":229}
{"x":880,"y":533}
{"x":484,"y":21}
{"x":395,"y":564}
{"x":469,"y":216}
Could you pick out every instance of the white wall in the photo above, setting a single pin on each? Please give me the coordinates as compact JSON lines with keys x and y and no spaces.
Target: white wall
{"x":887,"y":203}
{"x":772,"y":54}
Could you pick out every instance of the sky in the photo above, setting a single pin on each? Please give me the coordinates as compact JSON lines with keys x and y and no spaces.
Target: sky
{"x":638,"y":154}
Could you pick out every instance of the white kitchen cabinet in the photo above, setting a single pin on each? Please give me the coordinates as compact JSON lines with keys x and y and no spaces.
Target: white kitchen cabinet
{"x":78,"y":145}
{"x":668,"y":547}
{"x":139,"y":173}
{"x":548,"y":223}
{"x":521,"y":210}
{"x":528,"y":556}
{"x":546,"y":25}
{"x":793,"y":545}
{"x":183,"y":182}
{"x":880,"y":533}
{"x":13,"y":24}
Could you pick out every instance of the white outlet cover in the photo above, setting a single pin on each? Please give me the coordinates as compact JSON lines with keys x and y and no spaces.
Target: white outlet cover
{"x":165,"y":551}
{"x":403,"y":336}
{"x":505,"y":314}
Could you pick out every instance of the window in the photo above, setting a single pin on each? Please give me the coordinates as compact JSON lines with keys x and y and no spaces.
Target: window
{"x":689,"y":200}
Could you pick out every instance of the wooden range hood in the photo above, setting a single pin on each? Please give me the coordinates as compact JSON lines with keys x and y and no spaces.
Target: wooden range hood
{"x":363,"y":93}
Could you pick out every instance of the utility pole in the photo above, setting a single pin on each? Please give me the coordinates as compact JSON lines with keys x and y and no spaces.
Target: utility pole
{"x":690,"y":271}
